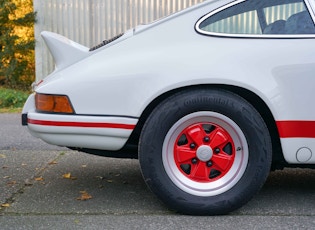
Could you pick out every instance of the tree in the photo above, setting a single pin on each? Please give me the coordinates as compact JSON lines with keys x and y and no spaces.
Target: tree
{"x":17,"y":65}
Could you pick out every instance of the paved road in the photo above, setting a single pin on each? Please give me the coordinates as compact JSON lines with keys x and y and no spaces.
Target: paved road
{"x":45,"y":187}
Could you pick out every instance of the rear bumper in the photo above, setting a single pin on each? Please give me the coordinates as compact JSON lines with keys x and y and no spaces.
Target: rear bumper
{"x":78,"y":131}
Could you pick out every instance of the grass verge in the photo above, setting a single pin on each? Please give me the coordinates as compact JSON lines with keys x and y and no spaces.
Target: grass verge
{"x":12,"y":101}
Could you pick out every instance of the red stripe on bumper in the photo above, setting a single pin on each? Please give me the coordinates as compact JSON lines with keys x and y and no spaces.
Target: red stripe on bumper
{"x":300,"y":129}
{"x":81,"y":124}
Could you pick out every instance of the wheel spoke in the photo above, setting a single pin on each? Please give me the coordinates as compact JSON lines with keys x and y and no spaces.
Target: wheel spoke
{"x":218,"y":138}
{"x":222,"y":161}
{"x":196,"y":134}
{"x":184,"y":154}
{"x":200,"y":172}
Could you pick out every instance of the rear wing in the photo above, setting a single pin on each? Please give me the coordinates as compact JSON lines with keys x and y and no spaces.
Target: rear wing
{"x":64,"y":51}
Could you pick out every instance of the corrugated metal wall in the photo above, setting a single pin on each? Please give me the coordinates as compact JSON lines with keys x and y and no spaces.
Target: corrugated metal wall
{"x":89,"y":22}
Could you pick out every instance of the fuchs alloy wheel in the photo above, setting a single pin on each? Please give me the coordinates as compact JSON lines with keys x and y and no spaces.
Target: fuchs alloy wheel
{"x":205,"y":151}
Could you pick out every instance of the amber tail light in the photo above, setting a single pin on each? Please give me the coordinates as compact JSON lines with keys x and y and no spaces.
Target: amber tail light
{"x":53,"y":103}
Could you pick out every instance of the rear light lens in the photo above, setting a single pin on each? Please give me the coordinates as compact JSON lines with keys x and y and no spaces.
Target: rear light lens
{"x":53,"y":104}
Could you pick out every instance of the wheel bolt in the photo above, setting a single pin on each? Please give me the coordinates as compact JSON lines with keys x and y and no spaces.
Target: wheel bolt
{"x":192,"y":145}
{"x":206,"y":139}
{"x":217,"y":151}
{"x":209,"y":163}
{"x":194,"y":161}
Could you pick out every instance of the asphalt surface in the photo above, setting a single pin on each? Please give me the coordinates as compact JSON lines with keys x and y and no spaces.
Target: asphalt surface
{"x":48,"y":187}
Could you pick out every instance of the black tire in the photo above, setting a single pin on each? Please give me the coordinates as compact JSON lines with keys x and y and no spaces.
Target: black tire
{"x":205,"y":151}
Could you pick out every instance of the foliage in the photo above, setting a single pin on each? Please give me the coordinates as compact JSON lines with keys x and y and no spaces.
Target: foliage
{"x":10,"y":98}
{"x":17,"y":64}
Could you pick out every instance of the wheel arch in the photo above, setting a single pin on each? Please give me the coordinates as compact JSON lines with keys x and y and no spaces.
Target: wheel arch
{"x":278,"y":161}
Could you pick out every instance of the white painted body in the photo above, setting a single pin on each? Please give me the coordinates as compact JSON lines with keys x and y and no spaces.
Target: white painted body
{"x":116,"y":83}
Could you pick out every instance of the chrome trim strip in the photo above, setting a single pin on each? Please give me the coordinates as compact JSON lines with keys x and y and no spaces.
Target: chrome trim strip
{"x":311,"y":8}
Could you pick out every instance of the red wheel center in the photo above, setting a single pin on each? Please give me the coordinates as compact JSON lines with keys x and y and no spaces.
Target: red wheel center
{"x":204,"y":152}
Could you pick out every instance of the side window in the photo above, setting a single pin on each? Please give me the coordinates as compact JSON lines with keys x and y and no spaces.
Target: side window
{"x":256,"y":17}
{"x":241,"y":18}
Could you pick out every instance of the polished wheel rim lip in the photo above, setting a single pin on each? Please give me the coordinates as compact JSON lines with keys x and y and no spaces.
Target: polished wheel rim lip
{"x":224,"y":183}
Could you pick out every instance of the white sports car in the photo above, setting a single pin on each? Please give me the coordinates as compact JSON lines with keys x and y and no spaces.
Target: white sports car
{"x":210,"y":99}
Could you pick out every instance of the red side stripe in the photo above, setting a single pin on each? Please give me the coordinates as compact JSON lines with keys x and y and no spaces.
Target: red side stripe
{"x":81,"y":124}
{"x":301,"y":129}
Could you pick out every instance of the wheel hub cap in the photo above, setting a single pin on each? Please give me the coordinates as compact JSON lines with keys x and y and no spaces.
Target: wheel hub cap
{"x":204,"y":153}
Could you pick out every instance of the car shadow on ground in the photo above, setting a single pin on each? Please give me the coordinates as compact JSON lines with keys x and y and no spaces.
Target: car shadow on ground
{"x":79,"y":183}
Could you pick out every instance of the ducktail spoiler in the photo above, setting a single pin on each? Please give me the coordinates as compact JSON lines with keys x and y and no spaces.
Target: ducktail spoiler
{"x":64,"y":51}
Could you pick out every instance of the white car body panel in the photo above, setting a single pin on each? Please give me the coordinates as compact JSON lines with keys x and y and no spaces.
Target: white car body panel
{"x":126,"y":76}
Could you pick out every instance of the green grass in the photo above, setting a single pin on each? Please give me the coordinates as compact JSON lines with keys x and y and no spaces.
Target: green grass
{"x":12,"y":101}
